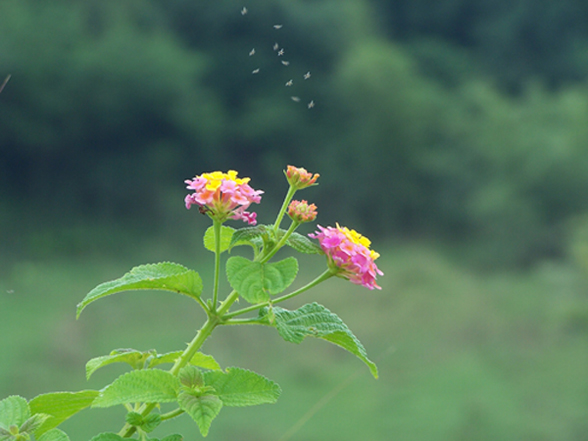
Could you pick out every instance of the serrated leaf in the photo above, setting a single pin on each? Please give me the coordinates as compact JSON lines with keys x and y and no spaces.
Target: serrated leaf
{"x":136,"y":359}
{"x":241,"y":387}
{"x":202,"y":409}
{"x":255,"y":281}
{"x":134,"y":418}
{"x":5,"y":435}
{"x":150,"y":422}
{"x":191,"y":376}
{"x":147,"y":386}
{"x":14,"y":411}
{"x":34,"y":422}
{"x":107,"y":437}
{"x":165,"y":276}
{"x":249,"y":236}
{"x":205,"y":361}
{"x":317,"y":321}
{"x":199,"y":359}
{"x":303,"y":244}
{"x":60,"y":405}
{"x":54,"y":435}
{"x":226,"y":236}
{"x":169,"y":357}
{"x":174,"y":437}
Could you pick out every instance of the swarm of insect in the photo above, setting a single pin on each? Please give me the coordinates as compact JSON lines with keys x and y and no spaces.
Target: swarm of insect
{"x":280,"y":53}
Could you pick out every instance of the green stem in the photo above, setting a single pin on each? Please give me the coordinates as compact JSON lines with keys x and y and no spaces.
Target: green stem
{"x":281,"y":242}
{"x":172,"y":414}
{"x":284,"y":207}
{"x":321,"y":278}
{"x":226,"y":305}
{"x":217,"y":255}
{"x":196,"y":343}
{"x":248,"y":321}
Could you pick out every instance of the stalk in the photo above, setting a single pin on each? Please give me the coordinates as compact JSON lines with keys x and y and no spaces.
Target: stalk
{"x":284,"y":207}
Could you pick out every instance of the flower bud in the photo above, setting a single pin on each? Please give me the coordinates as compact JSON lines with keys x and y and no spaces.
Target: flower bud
{"x":299,"y":178}
{"x":301,"y":211}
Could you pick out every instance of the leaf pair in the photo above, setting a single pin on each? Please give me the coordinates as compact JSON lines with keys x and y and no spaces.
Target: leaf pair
{"x":202,"y":399}
{"x":19,"y":419}
{"x":255,"y":281}
{"x":147,"y":359}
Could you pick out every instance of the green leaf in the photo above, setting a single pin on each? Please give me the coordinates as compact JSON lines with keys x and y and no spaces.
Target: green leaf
{"x":169,"y":357}
{"x":202,"y":408}
{"x":303,"y":244}
{"x":249,"y":236}
{"x":174,"y":437}
{"x":226,"y":237}
{"x":205,"y":361}
{"x":14,"y":411}
{"x":255,"y":281}
{"x":240,"y":387}
{"x":164,"y":276}
{"x":148,"y":385}
{"x":150,"y":422}
{"x":199,"y":359}
{"x":134,"y":418}
{"x":191,"y":376}
{"x":108,"y":437}
{"x":317,"y":321}
{"x":5,"y":435}
{"x":60,"y":405}
{"x":54,"y":435}
{"x":146,"y":423}
{"x":131,"y":356}
{"x":34,"y":422}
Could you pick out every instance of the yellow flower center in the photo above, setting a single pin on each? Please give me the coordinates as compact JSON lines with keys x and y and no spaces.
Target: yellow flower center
{"x":357,"y":238}
{"x":216,"y":178}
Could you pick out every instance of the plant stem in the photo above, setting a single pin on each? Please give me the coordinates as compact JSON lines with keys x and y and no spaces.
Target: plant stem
{"x":217,"y":255}
{"x":282,"y":211}
{"x":281,"y":242}
{"x":172,"y":414}
{"x":184,"y":359}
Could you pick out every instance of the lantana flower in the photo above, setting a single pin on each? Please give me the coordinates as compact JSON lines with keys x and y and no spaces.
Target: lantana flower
{"x":302,"y":211}
{"x":223,"y":196}
{"x":299,"y":178}
{"x":348,"y":253}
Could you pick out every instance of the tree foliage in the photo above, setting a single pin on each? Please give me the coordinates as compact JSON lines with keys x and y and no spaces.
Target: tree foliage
{"x":470,"y":113}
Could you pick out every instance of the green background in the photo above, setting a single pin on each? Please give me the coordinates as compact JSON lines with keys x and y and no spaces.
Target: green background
{"x":453,"y":133}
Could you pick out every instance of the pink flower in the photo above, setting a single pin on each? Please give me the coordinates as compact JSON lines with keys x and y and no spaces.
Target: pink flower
{"x":223,"y":196}
{"x":301,"y":211}
{"x":300,"y":178}
{"x":348,"y":253}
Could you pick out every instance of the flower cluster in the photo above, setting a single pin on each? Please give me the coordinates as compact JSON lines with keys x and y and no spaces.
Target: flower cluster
{"x":223,"y":196}
{"x":348,"y":252}
{"x":302,"y":211}
{"x":299,"y":178}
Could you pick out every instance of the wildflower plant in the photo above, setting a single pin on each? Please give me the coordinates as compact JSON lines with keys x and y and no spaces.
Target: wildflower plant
{"x":192,"y":382}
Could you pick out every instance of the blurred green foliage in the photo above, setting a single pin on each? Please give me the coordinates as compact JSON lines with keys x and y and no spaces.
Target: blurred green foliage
{"x":463,"y":355}
{"x":469,"y":116}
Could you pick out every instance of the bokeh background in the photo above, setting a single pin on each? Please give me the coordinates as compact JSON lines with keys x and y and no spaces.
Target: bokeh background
{"x":453,"y":133}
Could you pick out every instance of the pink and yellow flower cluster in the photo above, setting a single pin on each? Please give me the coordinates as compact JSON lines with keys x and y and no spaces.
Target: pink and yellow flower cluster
{"x":223,"y":196}
{"x":348,"y":252}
